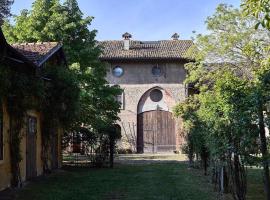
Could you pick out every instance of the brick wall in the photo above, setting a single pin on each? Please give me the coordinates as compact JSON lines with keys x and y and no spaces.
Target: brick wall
{"x":136,"y":82}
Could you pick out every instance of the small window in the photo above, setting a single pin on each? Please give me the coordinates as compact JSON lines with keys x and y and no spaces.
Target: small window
{"x":118,"y":71}
{"x":156,"y":71}
{"x":156,"y":95}
{"x":120,"y":99}
{"x":32,"y":125}
{"x":1,"y":133}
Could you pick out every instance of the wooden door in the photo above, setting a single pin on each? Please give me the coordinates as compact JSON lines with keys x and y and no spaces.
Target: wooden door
{"x":156,"y":132}
{"x":54,"y":150}
{"x":31,"y":148}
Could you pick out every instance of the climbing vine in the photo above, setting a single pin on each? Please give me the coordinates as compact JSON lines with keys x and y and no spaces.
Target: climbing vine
{"x":20,"y":91}
{"x":60,"y":107}
{"x":56,"y":97}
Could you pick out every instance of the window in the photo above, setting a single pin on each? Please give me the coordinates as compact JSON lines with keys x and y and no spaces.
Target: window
{"x":1,"y":133}
{"x":118,"y":71}
{"x":156,"y":95}
{"x":156,"y":71}
{"x":120,"y":99}
{"x":32,"y":125}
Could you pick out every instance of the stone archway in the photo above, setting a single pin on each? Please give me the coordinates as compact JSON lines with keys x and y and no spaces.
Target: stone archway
{"x":155,"y":123}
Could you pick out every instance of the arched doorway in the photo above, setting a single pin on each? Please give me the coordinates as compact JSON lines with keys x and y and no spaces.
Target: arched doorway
{"x":155,"y":123}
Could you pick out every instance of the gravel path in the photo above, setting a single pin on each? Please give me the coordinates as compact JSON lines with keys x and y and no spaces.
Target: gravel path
{"x":149,"y":158}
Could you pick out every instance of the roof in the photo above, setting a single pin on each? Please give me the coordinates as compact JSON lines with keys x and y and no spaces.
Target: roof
{"x":146,"y":50}
{"x":38,"y":53}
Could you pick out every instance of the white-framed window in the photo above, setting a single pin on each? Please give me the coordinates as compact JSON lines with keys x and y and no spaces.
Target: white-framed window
{"x":118,"y":71}
{"x":121,"y":99}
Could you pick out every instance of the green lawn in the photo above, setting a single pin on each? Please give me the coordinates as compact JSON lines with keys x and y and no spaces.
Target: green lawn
{"x":151,"y":181}
{"x":255,"y":185}
{"x":170,"y":181}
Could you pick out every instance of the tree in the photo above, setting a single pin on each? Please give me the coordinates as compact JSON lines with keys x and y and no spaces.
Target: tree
{"x":5,"y":9}
{"x":232,"y":96}
{"x":195,"y":129}
{"x":259,"y":9}
{"x":64,"y":22}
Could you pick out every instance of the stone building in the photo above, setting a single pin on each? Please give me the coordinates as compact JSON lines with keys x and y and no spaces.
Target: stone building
{"x":151,"y":74}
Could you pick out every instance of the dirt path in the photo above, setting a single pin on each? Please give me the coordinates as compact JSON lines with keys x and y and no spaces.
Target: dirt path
{"x":149,"y":158}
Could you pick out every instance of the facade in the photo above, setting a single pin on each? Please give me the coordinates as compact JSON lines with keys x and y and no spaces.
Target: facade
{"x":151,"y":74}
{"x":29,"y":59}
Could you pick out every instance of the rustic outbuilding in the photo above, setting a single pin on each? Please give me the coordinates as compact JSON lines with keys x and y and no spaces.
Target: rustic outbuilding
{"x":151,"y":74}
{"x":29,"y":59}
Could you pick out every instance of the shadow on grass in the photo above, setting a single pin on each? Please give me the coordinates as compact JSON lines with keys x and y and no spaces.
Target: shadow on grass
{"x":131,"y":182}
{"x":146,"y":178}
{"x":255,"y":187}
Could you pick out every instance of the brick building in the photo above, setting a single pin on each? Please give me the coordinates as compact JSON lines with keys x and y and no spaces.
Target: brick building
{"x":151,"y":74}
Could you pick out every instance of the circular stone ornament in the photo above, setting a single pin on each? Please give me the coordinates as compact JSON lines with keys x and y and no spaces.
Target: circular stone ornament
{"x":156,"y":95}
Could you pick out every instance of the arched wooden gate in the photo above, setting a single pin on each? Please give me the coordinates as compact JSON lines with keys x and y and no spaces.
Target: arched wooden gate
{"x":156,"y":132}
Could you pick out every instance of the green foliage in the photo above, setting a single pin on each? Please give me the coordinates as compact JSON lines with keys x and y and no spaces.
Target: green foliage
{"x":65,"y":22}
{"x":62,"y":94}
{"x":231,"y":77}
{"x":192,"y":125}
{"x":259,"y":9}
{"x":5,"y":9}
{"x":227,"y":63}
{"x":21,"y":92}
{"x":78,"y":96}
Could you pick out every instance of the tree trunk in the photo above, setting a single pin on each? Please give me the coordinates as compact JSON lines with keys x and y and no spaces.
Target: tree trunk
{"x":225,"y":179}
{"x":112,"y":144}
{"x":264,"y":151}
{"x":190,"y":152}
{"x":239,"y":180}
{"x":222,"y":180}
{"x":237,"y":177}
{"x":204,"y":157}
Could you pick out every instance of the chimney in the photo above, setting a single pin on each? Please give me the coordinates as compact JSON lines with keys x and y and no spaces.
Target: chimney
{"x":126,"y":36}
{"x":175,"y":36}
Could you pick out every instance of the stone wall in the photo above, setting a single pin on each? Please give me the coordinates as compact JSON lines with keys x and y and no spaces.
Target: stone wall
{"x":136,"y":82}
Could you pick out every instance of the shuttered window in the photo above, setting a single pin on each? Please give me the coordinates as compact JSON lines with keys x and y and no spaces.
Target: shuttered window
{"x":1,"y":133}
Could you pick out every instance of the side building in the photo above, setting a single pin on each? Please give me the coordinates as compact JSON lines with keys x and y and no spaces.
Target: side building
{"x":28,"y":59}
{"x":151,"y":74}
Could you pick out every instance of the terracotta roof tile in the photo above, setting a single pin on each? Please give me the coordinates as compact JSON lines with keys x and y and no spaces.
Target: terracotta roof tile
{"x":37,"y":52}
{"x":164,"y":49}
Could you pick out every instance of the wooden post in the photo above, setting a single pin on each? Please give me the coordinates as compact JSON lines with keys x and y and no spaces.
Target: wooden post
{"x":111,"y":150}
{"x":264,"y":150}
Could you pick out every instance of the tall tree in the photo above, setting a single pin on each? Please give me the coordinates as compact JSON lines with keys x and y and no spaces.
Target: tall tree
{"x":65,"y":22}
{"x":235,"y":49}
{"x":5,"y":9}
{"x":260,"y":9}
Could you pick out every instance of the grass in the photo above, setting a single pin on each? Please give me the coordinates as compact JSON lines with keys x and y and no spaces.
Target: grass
{"x":152,"y":181}
{"x":255,"y":188}
{"x":170,"y":181}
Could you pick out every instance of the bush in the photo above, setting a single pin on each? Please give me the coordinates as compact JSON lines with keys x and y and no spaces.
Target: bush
{"x":124,"y":151}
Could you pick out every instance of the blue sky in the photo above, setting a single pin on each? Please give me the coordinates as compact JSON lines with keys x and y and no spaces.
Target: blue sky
{"x":144,"y":19}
